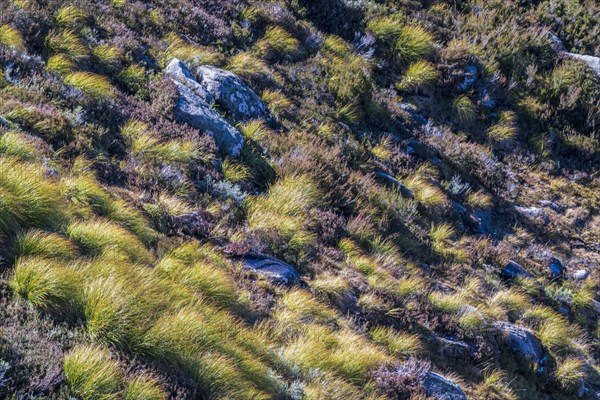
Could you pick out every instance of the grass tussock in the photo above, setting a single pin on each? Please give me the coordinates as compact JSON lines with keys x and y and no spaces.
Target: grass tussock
{"x":92,"y":374}
{"x":94,"y":85}
{"x":277,"y":43}
{"x":11,"y":38}
{"x":37,"y":243}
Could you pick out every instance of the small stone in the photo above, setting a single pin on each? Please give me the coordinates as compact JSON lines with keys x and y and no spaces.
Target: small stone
{"x":470,"y":74}
{"x":580,"y":275}
{"x":439,"y":387}
{"x":277,"y":271}
{"x":555,"y":267}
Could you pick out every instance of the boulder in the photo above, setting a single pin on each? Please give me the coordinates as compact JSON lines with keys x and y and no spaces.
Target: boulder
{"x":532,"y":212}
{"x":521,"y":342}
{"x":514,"y":270}
{"x":591,"y":61}
{"x":580,"y":275}
{"x":232,"y":93}
{"x":439,"y":387}
{"x":396,"y":184}
{"x":193,"y":108}
{"x":275,"y":270}
{"x":454,"y":349}
{"x":555,"y":267}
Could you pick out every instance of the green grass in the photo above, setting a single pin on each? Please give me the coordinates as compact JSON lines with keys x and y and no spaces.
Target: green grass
{"x":11,"y":38}
{"x":92,"y":374}
{"x":37,"y":243}
{"x":413,"y":42}
{"x":17,"y":144}
{"x":46,"y":284}
{"x":144,"y":387}
{"x":94,"y":85}
{"x":60,"y":64}
{"x":70,"y":14}
{"x":418,"y":75}
{"x":68,"y":43}
{"x":277,"y":42}
{"x":570,"y":372}
{"x":98,"y":236}
{"x":399,"y":343}
{"x":505,"y":129}
{"x":465,"y":109}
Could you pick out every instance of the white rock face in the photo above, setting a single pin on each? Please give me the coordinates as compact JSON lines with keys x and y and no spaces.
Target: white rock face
{"x":591,"y":61}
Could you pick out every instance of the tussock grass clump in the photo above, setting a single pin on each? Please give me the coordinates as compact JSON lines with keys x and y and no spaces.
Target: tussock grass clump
{"x":505,"y":129}
{"x":413,"y":42}
{"x":191,"y":54}
{"x":27,"y":198}
{"x":465,"y":109}
{"x":495,"y":387}
{"x":16,"y":144}
{"x":70,"y":14}
{"x":398,"y":343}
{"x":108,"y":55}
{"x":11,"y":38}
{"x":276,"y":101}
{"x":387,"y":29}
{"x":68,"y":43}
{"x":419,"y":74}
{"x":45,"y":244}
{"x":46,"y":284}
{"x":284,"y":208}
{"x":246,"y":65}
{"x":144,"y":387}
{"x":234,"y":171}
{"x":569,"y":372}
{"x":94,"y":85}
{"x":98,"y":236}
{"x":134,"y":78}
{"x":92,"y":374}
{"x":60,"y":64}
{"x":278,"y":43}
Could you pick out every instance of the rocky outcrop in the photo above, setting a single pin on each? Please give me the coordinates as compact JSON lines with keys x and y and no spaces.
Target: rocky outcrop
{"x":454,"y":349}
{"x":275,"y":270}
{"x":193,"y":108}
{"x":439,"y":387}
{"x":521,"y":342}
{"x":555,"y":267}
{"x":231,"y":92}
{"x":580,"y":275}
{"x":592,"y":61}
{"x":514,"y":270}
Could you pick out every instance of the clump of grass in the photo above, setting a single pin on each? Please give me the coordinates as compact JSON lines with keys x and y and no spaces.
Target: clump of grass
{"x":495,"y":387}
{"x":45,"y":284}
{"x":134,"y":78}
{"x":234,"y":171}
{"x":278,"y":43}
{"x":479,"y":199}
{"x":11,"y":38}
{"x":386,"y":29}
{"x":92,"y":374}
{"x":570,"y":372}
{"x":562,"y":338}
{"x":144,"y":387}
{"x":276,"y":101}
{"x":284,"y":208}
{"x":45,"y":244}
{"x":70,"y":14}
{"x":413,"y":42}
{"x":246,"y":65}
{"x":418,"y":75}
{"x":399,"y":343}
{"x":465,"y":109}
{"x":336,"y":289}
{"x":426,"y":193}
{"x":189,"y":53}
{"x":94,"y":85}
{"x":98,"y":236}
{"x":108,"y":55}
{"x":440,"y":235}
{"x":60,"y":64}
{"x":505,"y":129}
{"x":14,"y":143}
{"x":68,"y":43}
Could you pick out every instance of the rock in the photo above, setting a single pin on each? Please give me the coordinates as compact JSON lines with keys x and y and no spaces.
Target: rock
{"x":487,"y":100}
{"x":275,"y":270}
{"x":555,"y":267}
{"x":513,"y":270}
{"x":556,"y":207}
{"x":396,"y":184}
{"x":441,"y":388}
{"x":591,"y":61}
{"x":580,"y":275}
{"x":193,"y":108}
{"x":413,"y":113}
{"x":521,"y":342}
{"x":470,"y":74}
{"x":480,"y":221}
{"x":532,"y":212}
{"x":232,"y":93}
{"x":454,"y":349}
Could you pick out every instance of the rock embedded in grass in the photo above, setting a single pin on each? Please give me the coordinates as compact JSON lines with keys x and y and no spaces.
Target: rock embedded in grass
{"x":580,"y":275}
{"x":396,"y":184}
{"x":275,"y":270}
{"x":439,"y":387}
{"x":555,"y":267}
{"x":193,"y":108}
{"x":232,"y":93}
{"x":514,"y":270}
{"x":521,"y":342}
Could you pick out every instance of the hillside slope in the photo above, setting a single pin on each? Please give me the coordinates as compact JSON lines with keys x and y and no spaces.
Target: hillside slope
{"x":336,"y":199}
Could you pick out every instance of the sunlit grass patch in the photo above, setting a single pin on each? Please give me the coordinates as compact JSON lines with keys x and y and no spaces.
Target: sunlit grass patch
{"x":45,"y":244}
{"x":419,"y":74}
{"x":92,"y":374}
{"x":94,"y":85}
{"x":60,"y":64}
{"x":68,"y":43}
{"x":17,"y":144}
{"x":144,"y":387}
{"x":46,"y":284}
{"x":398,"y":343}
{"x":11,"y":38}
{"x":277,"y":42}
{"x":413,"y":42}
{"x":570,"y":372}
{"x":70,"y":14}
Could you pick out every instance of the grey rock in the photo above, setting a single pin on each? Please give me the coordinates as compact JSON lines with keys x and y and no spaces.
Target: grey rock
{"x":521,"y":342}
{"x":580,"y":275}
{"x":470,"y":74}
{"x":480,"y":221}
{"x":193,"y":108}
{"x":591,"y":61}
{"x":487,"y":100}
{"x":275,"y":270}
{"x":514,"y":270}
{"x":232,"y":93}
{"x":555,"y":206}
{"x":454,"y":349}
{"x":532,"y":212}
{"x":555,"y":267}
{"x":396,"y":184}
{"x":410,"y":110}
{"x":441,"y":388}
